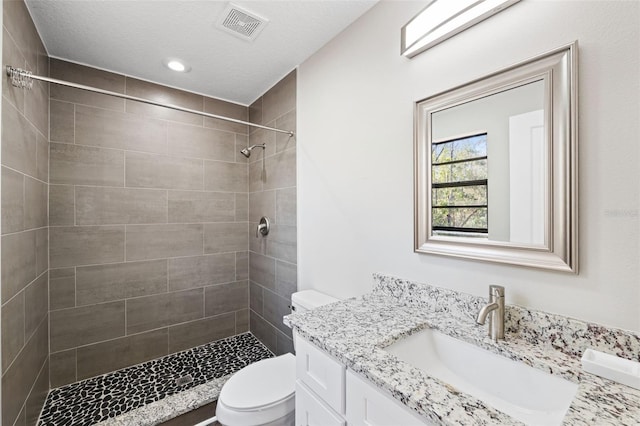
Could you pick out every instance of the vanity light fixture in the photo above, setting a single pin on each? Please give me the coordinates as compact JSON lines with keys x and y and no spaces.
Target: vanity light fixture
{"x":176,"y":65}
{"x":442,"y":19}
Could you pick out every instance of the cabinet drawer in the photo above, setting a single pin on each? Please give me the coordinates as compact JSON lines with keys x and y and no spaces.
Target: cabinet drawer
{"x":370,"y":406}
{"x":310,"y":411}
{"x":321,"y":373}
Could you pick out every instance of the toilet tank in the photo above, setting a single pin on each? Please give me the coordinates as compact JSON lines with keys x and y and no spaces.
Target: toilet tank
{"x":307,"y":300}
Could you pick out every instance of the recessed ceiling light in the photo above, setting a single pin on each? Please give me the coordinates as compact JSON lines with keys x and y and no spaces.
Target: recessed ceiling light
{"x":176,"y":65}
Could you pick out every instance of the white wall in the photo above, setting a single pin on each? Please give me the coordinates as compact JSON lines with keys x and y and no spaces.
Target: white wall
{"x":355,"y":154}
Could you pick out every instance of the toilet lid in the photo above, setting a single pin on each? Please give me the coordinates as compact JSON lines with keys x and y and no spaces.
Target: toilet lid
{"x":261,"y":384}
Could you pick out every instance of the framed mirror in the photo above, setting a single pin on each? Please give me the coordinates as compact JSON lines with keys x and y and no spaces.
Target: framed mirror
{"x":496,"y":166}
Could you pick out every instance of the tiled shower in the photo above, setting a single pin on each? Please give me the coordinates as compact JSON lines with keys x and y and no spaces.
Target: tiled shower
{"x":128,"y":230}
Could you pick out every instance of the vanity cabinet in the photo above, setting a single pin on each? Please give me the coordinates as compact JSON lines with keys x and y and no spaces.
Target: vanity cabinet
{"x":329,"y":394}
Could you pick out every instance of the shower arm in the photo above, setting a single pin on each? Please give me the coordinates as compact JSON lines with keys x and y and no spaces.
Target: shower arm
{"x":24,"y":79}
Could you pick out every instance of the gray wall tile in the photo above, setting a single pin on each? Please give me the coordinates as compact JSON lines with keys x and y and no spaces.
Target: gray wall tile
{"x":36,"y":106}
{"x":227,"y":177}
{"x":18,"y":140}
{"x":61,"y":205}
{"x":161,"y":310}
{"x":286,"y":207}
{"x":62,"y":128}
{"x":160,"y":171}
{"x":37,"y":396}
{"x":87,"y":324}
{"x":101,"y":358}
{"x":272,"y":269}
{"x":104,"y":283}
{"x":256,"y":298}
{"x":280,"y":99}
{"x":257,"y":174}
{"x":225,"y":237}
{"x":19,"y":24}
{"x":162,"y":241}
{"x":12,"y":201}
{"x":223,"y":298}
{"x":262,"y":136}
{"x":262,"y":204}
{"x":201,"y":271}
{"x":287,"y":122}
{"x":200,"y":142}
{"x":86,"y":245}
{"x":274,"y":308}
{"x":106,"y":206}
{"x":262,"y":270}
{"x":12,"y":329}
{"x":83,"y":165}
{"x":281,"y":170}
{"x":18,"y":262}
{"x":25,"y":150}
{"x":242,"y":266}
{"x":113,"y":129}
{"x":90,"y":77}
{"x":195,"y":333}
{"x":42,"y":250}
{"x":226,"y":109}
{"x":284,"y":344}
{"x":42,"y":158}
{"x":264,"y":331}
{"x":200,"y":206}
{"x":36,"y":304}
{"x":255,"y":112}
{"x":23,"y":373}
{"x":242,"y":321}
{"x":168,"y":95}
{"x":12,"y":55}
{"x":282,"y":243}
{"x":62,"y":288}
{"x":62,"y":368}
{"x":242,"y":207}
{"x":286,"y":279}
{"x":35,"y":203}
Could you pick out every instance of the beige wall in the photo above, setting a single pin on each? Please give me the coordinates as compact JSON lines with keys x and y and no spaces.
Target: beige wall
{"x":356,"y":100}
{"x":273,"y":258}
{"x":25,"y":135}
{"x":149,"y":222}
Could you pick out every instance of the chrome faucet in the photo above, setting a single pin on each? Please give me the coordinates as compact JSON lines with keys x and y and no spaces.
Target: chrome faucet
{"x":495,"y":307}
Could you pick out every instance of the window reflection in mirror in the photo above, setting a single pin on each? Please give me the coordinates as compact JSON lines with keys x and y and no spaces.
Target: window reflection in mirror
{"x":492,"y":183}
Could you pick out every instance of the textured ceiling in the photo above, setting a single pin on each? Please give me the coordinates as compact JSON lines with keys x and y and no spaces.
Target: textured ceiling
{"x":133,"y":37}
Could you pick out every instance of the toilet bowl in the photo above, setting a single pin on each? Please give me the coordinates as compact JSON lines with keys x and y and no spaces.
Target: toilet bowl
{"x":263,"y":393}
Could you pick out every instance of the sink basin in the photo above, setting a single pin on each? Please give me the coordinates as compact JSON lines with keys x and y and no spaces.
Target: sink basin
{"x":525,"y":393}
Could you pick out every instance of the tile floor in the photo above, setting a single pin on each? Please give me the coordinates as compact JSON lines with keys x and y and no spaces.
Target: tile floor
{"x":99,"y":398}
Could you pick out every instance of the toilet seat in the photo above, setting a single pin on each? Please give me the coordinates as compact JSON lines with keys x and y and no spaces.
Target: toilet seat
{"x":259,"y":393}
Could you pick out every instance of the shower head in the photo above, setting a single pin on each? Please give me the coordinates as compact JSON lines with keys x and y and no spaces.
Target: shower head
{"x":247,"y":151}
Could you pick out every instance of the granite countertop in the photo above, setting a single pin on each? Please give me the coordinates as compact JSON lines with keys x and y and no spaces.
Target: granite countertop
{"x":355,"y":331}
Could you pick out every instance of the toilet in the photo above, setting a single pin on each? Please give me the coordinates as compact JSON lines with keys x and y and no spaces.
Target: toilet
{"x":263,"y":393}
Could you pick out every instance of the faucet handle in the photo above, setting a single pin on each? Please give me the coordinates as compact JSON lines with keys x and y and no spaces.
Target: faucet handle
{"x":496,"y":291}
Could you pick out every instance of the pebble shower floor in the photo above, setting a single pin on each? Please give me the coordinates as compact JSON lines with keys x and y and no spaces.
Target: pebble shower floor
{"x":99,"y":398}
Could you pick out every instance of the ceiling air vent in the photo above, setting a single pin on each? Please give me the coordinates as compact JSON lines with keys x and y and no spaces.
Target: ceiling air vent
{"x":241,"y":23}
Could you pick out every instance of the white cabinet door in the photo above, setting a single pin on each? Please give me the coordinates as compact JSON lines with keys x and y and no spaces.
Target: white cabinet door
{"x":321,"y":373}
{"x":370,"y":406}
{"x":311,"y":411}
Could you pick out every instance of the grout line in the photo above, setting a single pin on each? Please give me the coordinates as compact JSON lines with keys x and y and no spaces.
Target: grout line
{"x":26,"y":343}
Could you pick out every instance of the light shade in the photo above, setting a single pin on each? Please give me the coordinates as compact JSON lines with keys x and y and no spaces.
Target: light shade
{"x":442,"y":19}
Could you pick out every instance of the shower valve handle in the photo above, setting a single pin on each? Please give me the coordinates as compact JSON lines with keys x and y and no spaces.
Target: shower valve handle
{"x":263,"y":227}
